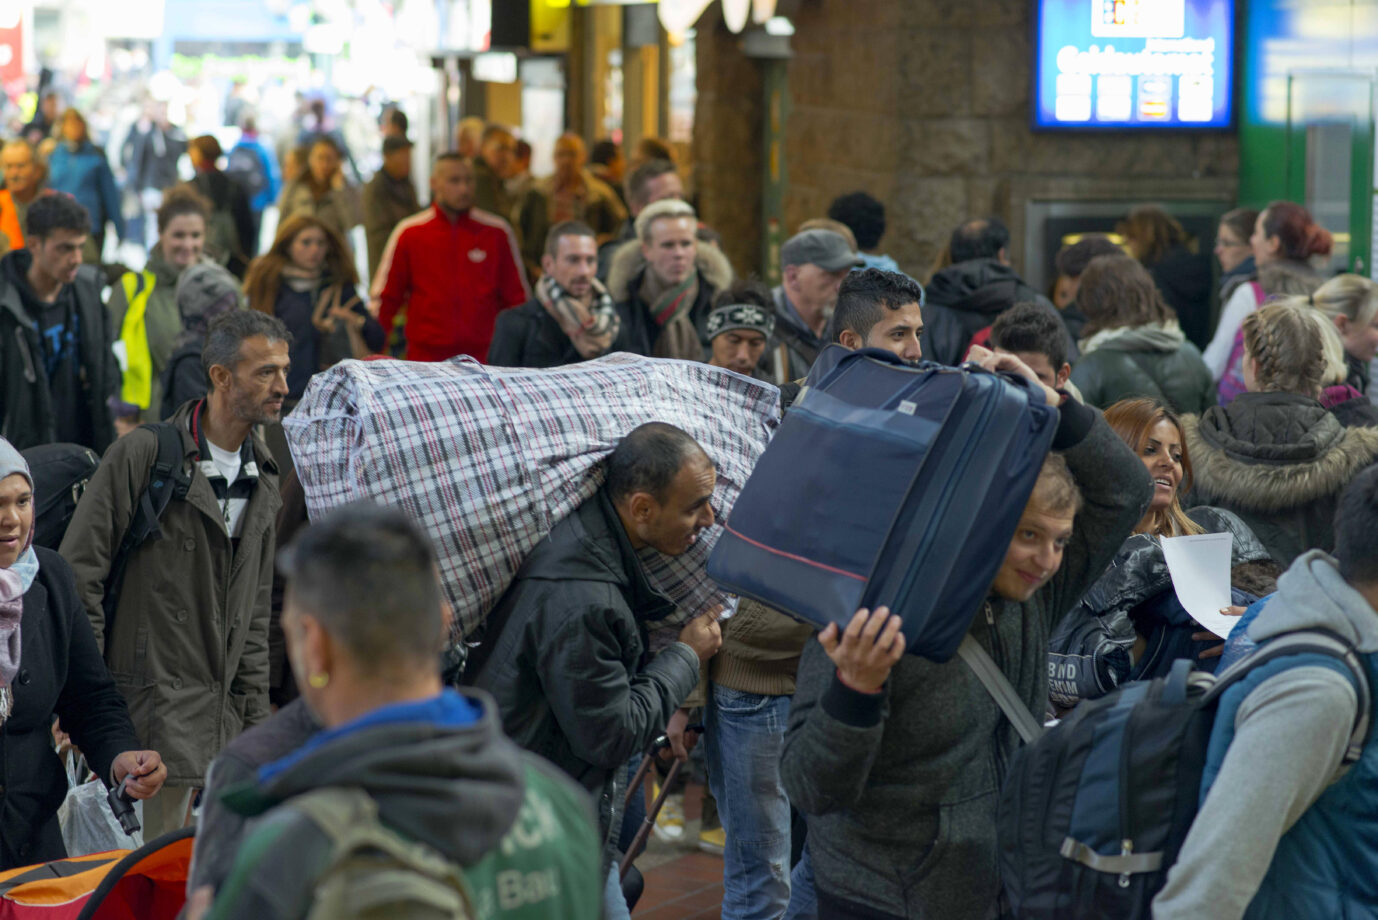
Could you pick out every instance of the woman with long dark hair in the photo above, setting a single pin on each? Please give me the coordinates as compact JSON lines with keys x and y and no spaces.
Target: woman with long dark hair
{"x":308,"y":280}
{"x":322,"y":192}
{"x":1183,"y":275}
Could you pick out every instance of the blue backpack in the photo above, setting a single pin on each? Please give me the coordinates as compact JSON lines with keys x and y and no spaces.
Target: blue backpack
{"x":1094,"y":811}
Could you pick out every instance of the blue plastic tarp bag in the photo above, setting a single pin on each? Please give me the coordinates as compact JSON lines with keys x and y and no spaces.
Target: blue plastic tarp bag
{"x":888,"y":485}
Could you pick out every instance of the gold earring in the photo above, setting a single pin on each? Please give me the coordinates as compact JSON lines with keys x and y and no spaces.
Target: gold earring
{"x":318,"y":681}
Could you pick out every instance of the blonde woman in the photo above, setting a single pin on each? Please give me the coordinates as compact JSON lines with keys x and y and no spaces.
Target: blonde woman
{"x":1275,"y":456}
{"x":1351,"y":303}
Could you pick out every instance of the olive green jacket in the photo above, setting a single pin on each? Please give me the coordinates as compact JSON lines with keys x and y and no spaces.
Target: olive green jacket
{"x":189,"y":645}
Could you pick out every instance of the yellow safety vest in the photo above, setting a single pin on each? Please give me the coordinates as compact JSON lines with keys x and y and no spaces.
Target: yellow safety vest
{"x":137,"y":388}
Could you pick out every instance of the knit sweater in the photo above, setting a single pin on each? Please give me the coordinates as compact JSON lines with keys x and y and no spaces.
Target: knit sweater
{"x":760,"y":651}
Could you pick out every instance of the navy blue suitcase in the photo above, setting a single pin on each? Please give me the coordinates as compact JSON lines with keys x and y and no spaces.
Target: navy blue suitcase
{"x":888,"y":484}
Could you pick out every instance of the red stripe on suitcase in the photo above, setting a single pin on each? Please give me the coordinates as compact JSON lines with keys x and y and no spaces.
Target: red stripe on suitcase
{"x":770,"y":549}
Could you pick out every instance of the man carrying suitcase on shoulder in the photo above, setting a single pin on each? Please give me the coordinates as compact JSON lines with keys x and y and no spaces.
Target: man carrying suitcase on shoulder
{"x":898,"y":761}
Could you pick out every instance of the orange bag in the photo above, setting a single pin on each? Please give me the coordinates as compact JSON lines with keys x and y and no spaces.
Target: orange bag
{"x":149,"y":883}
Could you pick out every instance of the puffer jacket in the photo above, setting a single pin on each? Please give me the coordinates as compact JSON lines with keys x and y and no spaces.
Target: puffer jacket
{"x":965,"y":298}
{"x":1279,"y":461}
{"x":900,"y":787}
{"x":189,"y":645}
{"x":1089,"y":654}
{"x":1155,"y":361}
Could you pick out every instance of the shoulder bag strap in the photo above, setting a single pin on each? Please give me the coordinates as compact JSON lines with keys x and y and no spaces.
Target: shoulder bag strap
{"x":1000,"y":689}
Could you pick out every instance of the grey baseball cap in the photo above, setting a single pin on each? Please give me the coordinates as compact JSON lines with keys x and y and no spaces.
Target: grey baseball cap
{"x":828,"y":250}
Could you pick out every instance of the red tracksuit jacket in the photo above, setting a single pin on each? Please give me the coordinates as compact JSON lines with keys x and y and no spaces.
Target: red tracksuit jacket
{"x":454,"y":278}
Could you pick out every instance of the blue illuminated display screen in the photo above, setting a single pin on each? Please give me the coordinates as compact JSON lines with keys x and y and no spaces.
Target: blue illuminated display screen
{"x":1134,"y":64}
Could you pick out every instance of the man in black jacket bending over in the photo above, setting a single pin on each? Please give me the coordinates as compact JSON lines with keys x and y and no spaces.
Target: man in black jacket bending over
{"x":568,"y":666}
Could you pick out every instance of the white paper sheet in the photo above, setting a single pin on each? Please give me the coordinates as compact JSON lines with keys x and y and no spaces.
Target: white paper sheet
{"x":1200,"y":567}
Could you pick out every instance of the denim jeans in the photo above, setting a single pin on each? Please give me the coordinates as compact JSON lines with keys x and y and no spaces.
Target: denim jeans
{"x":614,"y":904}
{"x":745,"y":734}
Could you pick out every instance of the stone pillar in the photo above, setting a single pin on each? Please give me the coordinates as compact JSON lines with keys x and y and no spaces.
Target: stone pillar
{"x":727,"y":142}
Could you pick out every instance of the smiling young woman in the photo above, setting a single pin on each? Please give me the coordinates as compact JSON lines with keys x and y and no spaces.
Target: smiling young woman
{"x":1155,"y":434}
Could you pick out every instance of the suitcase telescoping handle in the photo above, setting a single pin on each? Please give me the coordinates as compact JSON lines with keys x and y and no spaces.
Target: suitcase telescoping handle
{"x":653,"y":812}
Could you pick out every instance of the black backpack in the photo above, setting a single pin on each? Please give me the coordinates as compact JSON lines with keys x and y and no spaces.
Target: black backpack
{"x":60,"y":473}
{"x":1095,"y":810}
{"x":168,"y":479}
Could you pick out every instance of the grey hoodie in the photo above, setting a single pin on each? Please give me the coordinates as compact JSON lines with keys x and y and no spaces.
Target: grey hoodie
{"x":1291,"y":733}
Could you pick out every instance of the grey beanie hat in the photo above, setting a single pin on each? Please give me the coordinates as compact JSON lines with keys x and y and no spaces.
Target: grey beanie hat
{"x":204,"y":291}
{"x":12,"y":461}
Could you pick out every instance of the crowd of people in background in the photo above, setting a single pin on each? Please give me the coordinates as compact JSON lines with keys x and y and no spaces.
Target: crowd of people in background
{"x":1191,"y":401}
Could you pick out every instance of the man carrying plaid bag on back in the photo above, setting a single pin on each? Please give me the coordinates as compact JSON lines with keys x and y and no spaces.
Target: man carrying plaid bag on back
{"x":566,"y":661}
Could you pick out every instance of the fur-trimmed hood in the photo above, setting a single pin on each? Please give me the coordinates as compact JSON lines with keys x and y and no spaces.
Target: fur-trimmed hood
{"x":628,"y":264}
{"x":1268,"y":452}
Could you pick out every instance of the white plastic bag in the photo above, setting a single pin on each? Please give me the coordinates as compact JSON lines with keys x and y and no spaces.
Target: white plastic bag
{"x":88,"y":824}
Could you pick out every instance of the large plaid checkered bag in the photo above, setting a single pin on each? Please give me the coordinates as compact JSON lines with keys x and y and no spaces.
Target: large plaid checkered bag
{"x":489,"y":459}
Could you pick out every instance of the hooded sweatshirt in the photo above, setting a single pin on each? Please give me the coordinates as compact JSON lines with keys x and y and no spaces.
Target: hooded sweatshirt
{"x":1290,"y":736}
{"x":965,"y":298}
{"x":441,"y":774}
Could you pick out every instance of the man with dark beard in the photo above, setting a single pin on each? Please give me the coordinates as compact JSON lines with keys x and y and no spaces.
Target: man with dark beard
{"x":187,"y":637}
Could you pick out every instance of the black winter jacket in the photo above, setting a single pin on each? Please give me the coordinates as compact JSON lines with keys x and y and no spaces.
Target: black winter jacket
{"x":228,"y":199}
{"x":61,"y":673}
{"x":965,"y":298}
{"x":569,"y":665}
{"x":1279,"y":461}
{"x":1151,"y":361}
{"x":184,"y":379}
{"x":528,"y":336}
{"x":900,"y":787}
{"x":1089,"y":654}
{"x":26,"y":406}
{"x":1184,"y":279}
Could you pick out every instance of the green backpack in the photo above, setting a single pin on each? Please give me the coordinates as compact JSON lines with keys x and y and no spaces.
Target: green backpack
{"x":375,"y":873}
{"x":547,"y":867}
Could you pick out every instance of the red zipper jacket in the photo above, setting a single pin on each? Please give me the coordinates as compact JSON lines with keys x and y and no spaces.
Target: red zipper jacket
{"x":453,"y":277}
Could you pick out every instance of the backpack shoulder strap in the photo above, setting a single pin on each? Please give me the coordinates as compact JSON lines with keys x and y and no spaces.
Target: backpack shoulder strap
{"x":1000,"y":689}
{"x":1311,"y":642}
{"x":167,"y":479}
